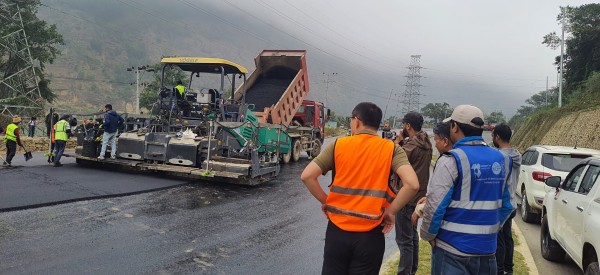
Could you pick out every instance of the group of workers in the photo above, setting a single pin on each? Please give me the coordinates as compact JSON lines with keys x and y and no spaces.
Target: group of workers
{"x":465,"y":206}
{"x":59,"y":131}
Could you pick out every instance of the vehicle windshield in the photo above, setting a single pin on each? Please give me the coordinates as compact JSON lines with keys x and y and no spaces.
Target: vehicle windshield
{"x":562,"y":162}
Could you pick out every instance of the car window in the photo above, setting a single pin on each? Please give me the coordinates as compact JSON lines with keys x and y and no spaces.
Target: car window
{"x":534,"y":157}
{"x":562,"y":162}
{"x":589,"y":179}
{"x":573,"y":178}
{"x":526,"y":157}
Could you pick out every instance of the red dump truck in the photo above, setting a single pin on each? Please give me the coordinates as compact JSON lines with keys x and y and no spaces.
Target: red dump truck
{"x":277,"y":89}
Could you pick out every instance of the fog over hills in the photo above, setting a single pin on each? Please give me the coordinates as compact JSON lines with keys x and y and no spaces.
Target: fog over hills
{"x":364,"y":44}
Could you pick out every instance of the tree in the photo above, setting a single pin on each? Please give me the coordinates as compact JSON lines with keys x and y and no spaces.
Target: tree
{"x":43,"y":40}
{"x":495,"y":117}
{"x":149,"y":95}
{"x":437,"y":111}
{"x":536,"y":102}
{"x":582,"y":40}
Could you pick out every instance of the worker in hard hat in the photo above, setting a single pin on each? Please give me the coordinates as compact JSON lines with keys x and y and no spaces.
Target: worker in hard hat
{"x":12,"y":138}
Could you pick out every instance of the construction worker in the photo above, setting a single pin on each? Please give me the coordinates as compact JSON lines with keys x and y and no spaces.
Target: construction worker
{"x":180,"y":89}
{"x":12,"y":138}
{"x":112,"y":122}
{"x":52,"y":144}
{"x":361,"y":205}
{"x":182,"y":102}
{"x":61,"y":135}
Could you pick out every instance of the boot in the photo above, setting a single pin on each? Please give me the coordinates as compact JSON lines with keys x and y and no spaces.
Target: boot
{"x":57,"y":164}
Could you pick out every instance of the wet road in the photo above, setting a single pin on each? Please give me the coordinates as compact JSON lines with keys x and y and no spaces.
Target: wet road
{"x":532,"y":236}
{"x":276,"y":228}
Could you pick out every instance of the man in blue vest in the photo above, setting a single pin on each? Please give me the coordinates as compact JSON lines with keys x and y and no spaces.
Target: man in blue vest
{"x":12,"y":137}
{"x":468,"y":199}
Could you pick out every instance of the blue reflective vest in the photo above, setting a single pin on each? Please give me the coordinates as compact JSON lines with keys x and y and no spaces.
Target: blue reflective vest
{"x":479,"y":201}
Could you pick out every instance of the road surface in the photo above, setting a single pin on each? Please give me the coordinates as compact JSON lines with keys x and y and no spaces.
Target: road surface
{"x":275,"y":228}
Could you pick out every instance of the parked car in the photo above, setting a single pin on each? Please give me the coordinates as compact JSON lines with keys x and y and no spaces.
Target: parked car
{"x":539,"y":163}
{"x":571,"y":217}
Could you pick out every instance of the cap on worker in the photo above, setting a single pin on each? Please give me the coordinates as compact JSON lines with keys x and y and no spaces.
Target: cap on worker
{"x":16,"y":119}
{"x":415,"y":119}
{"x":467,"y":114}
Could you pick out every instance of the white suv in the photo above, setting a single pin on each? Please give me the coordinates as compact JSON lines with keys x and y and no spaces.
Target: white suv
{"x":540,"y":162}
{"x":571,"y":217}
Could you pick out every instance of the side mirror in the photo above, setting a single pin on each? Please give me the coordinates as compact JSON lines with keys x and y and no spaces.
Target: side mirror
{"x":553,"y":181}
{"x":251,"y":107}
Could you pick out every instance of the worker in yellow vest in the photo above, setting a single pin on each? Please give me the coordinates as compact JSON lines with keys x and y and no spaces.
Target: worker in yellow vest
{"x":362,"y":204}
{"x":61,"y":135}
{"x":180,"y":89}
{"x":12,"y":138}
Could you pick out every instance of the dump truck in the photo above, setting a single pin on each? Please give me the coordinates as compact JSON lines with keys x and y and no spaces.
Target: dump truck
{"x":277,"y":88}
{"x":214,"y":130}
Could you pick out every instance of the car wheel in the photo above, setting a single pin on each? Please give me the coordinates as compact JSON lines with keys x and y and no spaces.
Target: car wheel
{"x":296,"y":150}
{"x":551,"y":250}
{"x":526,"y":214}
{"x":592,"y":269}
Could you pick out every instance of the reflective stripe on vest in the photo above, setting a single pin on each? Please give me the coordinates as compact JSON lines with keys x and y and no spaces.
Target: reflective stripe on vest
{"x":61,"y":131}
{"x":360,"y":191}
{"x":10,"y":132}
{"x":471,"y":221}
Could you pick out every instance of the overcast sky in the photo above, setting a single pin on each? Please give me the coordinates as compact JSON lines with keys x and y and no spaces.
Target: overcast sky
{"x":487,"y":53}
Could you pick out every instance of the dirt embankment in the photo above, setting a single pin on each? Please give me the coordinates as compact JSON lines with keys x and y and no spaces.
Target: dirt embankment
{"x":36,"y":144}
{"x":576,"y":128}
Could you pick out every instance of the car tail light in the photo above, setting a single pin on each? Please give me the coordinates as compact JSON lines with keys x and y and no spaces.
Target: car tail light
{"x":540,"y":176}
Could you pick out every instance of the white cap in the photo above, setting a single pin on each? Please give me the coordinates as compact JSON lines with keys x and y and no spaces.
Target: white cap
{"x":467,"y":114}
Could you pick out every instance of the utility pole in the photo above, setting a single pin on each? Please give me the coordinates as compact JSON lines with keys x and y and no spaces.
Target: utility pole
{"x":386,"y":105}
{"x":546,"y":91}
{"x":411,"y":96}
{"x":328,"y":80}
{"x":562,"y":46}
{"x":137,"y":83}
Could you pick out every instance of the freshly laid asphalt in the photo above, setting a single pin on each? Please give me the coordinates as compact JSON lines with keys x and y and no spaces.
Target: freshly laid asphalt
{"x":36,"y":183}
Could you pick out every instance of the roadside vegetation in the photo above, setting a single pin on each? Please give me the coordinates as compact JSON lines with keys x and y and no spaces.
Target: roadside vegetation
{"x":391,"y":267}
{"x":334,"y":132}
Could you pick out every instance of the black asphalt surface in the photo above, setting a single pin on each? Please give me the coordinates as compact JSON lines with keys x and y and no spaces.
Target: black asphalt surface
{"x":199,"y":228}
{"x":35,"y":183}
{"x":531,"y":232}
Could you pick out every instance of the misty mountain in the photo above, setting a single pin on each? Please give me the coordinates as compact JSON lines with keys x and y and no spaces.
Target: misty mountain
{"x":103,"y":38}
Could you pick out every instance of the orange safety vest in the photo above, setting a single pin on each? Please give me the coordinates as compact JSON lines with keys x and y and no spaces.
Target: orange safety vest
{"x":52,"y":133}
{"x":360,"y":189}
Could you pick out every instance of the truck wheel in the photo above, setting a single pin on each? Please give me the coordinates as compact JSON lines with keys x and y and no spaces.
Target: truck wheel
{"x":592,"y":269}
{"x":296,"y":150}
{"x":526,"y":214}
{"x":316,"y":149}
{"x":285,"y":158}
{"x":551,"y":250}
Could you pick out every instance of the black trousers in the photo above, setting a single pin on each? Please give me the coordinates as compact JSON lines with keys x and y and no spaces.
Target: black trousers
{"x":353,"y":252}
{"x":11,"y":150}
{"x":506,"y":247}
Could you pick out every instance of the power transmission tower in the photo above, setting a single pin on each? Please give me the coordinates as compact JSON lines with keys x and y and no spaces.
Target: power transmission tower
{"x":328,"y":80}
{"x":410,"y":98}
{"x":19,"y":83}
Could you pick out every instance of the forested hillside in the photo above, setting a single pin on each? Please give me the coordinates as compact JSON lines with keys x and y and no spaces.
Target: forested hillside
{"x":103,"y":38}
